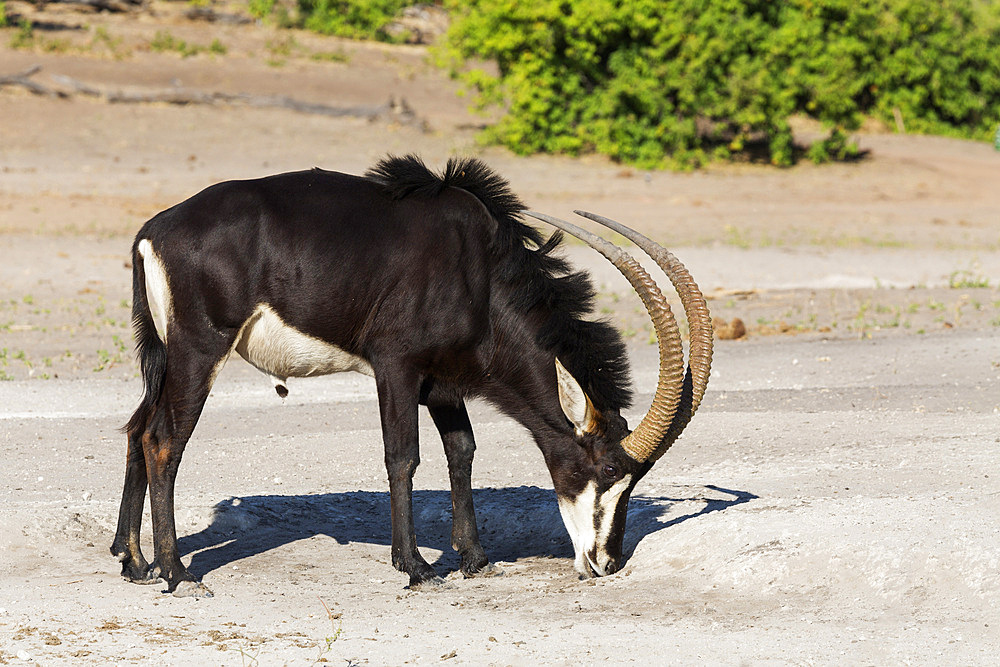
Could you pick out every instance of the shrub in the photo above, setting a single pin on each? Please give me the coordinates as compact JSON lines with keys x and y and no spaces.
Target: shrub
{"x":356,"y":19}
{"x":655,"y":82}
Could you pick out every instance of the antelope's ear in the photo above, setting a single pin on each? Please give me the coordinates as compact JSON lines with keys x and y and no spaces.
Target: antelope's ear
{"x":575,"y":403}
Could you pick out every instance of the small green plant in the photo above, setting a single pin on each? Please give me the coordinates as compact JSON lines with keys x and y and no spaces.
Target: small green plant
{"x":24,"y":38}
{"x":735,"y":237}
{"x":22,"y":356}
{"x":164,"y":41}
{"x":330,"y":56}
{"x":103,"y":39}
{"x":104,"y":359}
{"x":107,"y":358}
{"x":967,"y":280}
{"x":120,"y":344}
{"x":281,"y":47}
{"x":4,"y":21}
{"x":337,"y":627}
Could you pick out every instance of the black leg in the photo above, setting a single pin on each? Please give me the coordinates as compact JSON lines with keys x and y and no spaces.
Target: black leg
{"x":397,"y":397}
{"x":190,"y":371}
{"x":126,"y":544}
{"x":459,"y":445}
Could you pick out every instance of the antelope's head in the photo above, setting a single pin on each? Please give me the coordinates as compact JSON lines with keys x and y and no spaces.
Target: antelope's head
{"x":593,"y":486}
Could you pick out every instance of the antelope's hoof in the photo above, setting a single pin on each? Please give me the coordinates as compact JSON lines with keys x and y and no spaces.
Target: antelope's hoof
{"x":434,"y":583}
{"x":139,"y":574}
{"x":488,"y":570}
{"x":192,"y":589}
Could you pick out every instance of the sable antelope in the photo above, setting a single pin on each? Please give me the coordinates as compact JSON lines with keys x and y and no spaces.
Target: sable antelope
{"x":433,"y":285}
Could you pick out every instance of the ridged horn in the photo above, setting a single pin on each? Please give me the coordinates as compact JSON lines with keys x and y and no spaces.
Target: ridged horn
{"x":644,"y":442}
{"x":699,"y":326}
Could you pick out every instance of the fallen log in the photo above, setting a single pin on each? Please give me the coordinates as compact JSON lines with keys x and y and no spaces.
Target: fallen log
{"x":23,"y":79}
{"x":394,"y":110}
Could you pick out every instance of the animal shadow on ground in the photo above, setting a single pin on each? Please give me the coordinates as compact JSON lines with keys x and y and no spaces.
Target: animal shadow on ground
{"x":514,"y":522}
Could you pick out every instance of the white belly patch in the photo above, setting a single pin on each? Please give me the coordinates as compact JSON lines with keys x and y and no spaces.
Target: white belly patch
{"x":281,"y":351}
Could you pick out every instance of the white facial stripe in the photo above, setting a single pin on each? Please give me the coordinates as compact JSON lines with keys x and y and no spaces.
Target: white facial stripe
{"x":157,"y":289}
{"x":609,"y":502}
{"x":590,"y":537}
{"x":578,"y":516}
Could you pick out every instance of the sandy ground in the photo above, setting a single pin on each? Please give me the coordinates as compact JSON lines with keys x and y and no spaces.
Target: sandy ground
{"x":833,"y":502}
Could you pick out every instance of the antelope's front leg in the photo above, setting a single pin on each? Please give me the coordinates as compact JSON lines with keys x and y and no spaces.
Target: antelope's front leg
{"x":459,"y":446}
{"x":397,"y":398}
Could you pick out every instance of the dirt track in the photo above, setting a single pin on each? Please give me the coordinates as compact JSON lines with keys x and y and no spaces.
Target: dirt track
{"x":833,"y":502}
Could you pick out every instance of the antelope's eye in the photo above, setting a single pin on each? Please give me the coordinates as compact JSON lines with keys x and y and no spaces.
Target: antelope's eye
{"x":611,"y":471}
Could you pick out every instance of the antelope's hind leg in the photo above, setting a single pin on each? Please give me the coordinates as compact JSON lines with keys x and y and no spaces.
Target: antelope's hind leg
{"x":191,"y":370}
{"x":156,"y":443}
{"x":126,"y":544}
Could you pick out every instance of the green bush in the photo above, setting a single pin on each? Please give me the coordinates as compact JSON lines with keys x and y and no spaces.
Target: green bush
{"x":356,"y":19}
{"x":657,"y":82}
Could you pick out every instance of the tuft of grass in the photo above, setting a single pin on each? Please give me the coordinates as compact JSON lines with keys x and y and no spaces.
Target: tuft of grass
{"x":734,"y":237}
{"x":330,"y":56}
{"x":282,"y":47}
{"x":109,"y":358}
{"x":967,"y":280}
{"x":165,"y":42}
{"x":337,"y":627}
{"x":103,"y":39}
{"x":24,"y":38}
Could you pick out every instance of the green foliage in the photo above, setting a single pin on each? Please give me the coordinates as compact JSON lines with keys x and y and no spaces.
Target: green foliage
{"x":165,"y":41}
{"x":24,"y":38}
{"x":356,"y":19}
{"x":217,"y":48}
{"x":657,"y":82}
{"x":260,"y":9}
{"x":4,"y":21}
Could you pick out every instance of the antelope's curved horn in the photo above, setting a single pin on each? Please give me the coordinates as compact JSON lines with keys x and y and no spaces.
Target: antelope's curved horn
{"x":644,"y":441}
{"x":699,"y":326}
